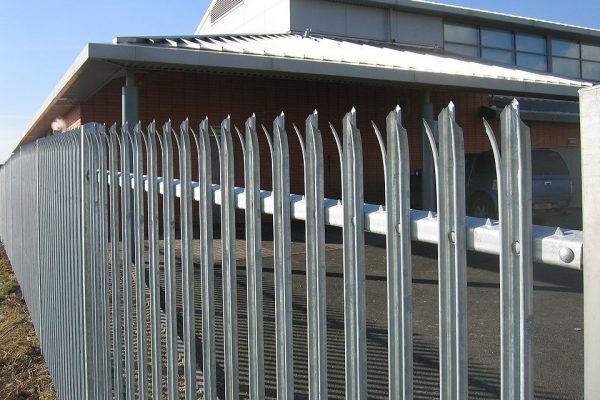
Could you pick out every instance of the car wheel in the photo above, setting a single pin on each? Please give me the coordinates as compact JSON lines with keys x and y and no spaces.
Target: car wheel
{"x":482,"y":206}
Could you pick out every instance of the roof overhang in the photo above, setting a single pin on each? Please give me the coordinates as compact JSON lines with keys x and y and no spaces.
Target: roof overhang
{"x":536,"y":110}
{"x":98,"y":64}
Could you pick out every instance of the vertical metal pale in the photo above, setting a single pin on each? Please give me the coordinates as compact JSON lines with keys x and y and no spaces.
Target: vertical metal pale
{"x":228,"y":248}
{"x":153,"y":259}
{"x":166,"y":142}
{"x":283,"y":262}
{"x":315,"y":260}
{"x":254,"y":260}
{"x":398,"y":250}
{"x":449,"y":171}
{"x":516,"y":265}
{"x":354,"y":261}
{"x":140,"y":256}
{"x":207,"y":280}
{"x":187,"y":259}
{"x":115,"y":261}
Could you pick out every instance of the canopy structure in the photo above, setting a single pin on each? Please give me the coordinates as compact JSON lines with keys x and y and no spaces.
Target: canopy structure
{"x":291,"y":55}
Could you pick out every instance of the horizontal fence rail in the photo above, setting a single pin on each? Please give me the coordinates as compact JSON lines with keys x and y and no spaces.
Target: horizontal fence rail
{"x":551,"y":245}
{"x":101,"y":224}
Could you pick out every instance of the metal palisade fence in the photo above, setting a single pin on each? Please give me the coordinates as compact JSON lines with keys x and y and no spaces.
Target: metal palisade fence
{"x":101,"y":237}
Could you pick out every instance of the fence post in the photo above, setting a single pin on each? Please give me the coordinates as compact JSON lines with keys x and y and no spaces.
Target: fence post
{"x":590,"y":174}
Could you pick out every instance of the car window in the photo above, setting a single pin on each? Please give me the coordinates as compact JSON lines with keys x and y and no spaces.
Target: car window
{"x":546,"y":162}
{"x":485,"y":164}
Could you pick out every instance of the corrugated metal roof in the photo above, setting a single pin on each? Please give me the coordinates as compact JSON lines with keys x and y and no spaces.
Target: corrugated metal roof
{"x":352,"y":52}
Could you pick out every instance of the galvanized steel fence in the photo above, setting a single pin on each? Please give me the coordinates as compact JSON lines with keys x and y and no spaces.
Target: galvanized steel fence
{"x":89,"y":222}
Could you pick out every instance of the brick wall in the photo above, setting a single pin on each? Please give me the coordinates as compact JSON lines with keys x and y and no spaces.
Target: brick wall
{"x":178,"y":95}
{"x":73,"y":118}
{"x":552,"y":135}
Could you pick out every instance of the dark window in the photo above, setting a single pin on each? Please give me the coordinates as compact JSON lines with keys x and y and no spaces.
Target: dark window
{"x":532,"y":61}
{"x":590,"y":70}
{"x":565,"y":58}
{"x":547,"y":162}
{"x":469,"y":51}
{"x":560,"y":57}
{"x":565,"y":66}
{"x":461,"y":34}
{"x":565,"y":48}
{"x":531,"y":52}
{"x":497,"y":39}
{"x":590,"y":64}
{"x":501,"y":56}
{"x":530,"y":43}
{"x":462,"y":39}
{"x":591,"y":53}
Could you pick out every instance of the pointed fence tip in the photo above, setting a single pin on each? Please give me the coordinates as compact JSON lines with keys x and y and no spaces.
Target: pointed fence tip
{"x":488,"y":222}
{"x":514,"y":103}
{"x":397,"y":109}
{"x":315,"y":112}
{"x":452,"y":110}
{"x":559,"y":232}
{"x":429,"y":214}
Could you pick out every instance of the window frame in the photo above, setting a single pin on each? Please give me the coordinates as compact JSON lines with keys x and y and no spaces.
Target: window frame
{"x":548,"y":56}
{"x":551,"y":56}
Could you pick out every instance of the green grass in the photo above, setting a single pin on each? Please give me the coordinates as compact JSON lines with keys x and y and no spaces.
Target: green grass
{"x":7,"y":287}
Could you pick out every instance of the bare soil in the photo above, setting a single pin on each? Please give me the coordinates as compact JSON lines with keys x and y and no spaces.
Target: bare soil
{"x":23,"y":372}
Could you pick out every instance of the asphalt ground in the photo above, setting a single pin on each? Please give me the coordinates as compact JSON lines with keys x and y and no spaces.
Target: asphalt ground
{"x":558,"y":322}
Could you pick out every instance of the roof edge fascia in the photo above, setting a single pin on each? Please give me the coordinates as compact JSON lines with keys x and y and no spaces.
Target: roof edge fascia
{"x":248,"y":62}
{"x":65,"y":82}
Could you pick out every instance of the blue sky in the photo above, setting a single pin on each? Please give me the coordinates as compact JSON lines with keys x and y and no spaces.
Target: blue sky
{"x":40,"y":39}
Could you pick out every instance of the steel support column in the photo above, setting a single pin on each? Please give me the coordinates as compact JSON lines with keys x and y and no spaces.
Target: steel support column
{"x":129,"y":100}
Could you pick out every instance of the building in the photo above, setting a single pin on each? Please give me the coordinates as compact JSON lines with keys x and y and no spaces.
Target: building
{"x":265,"y":56}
